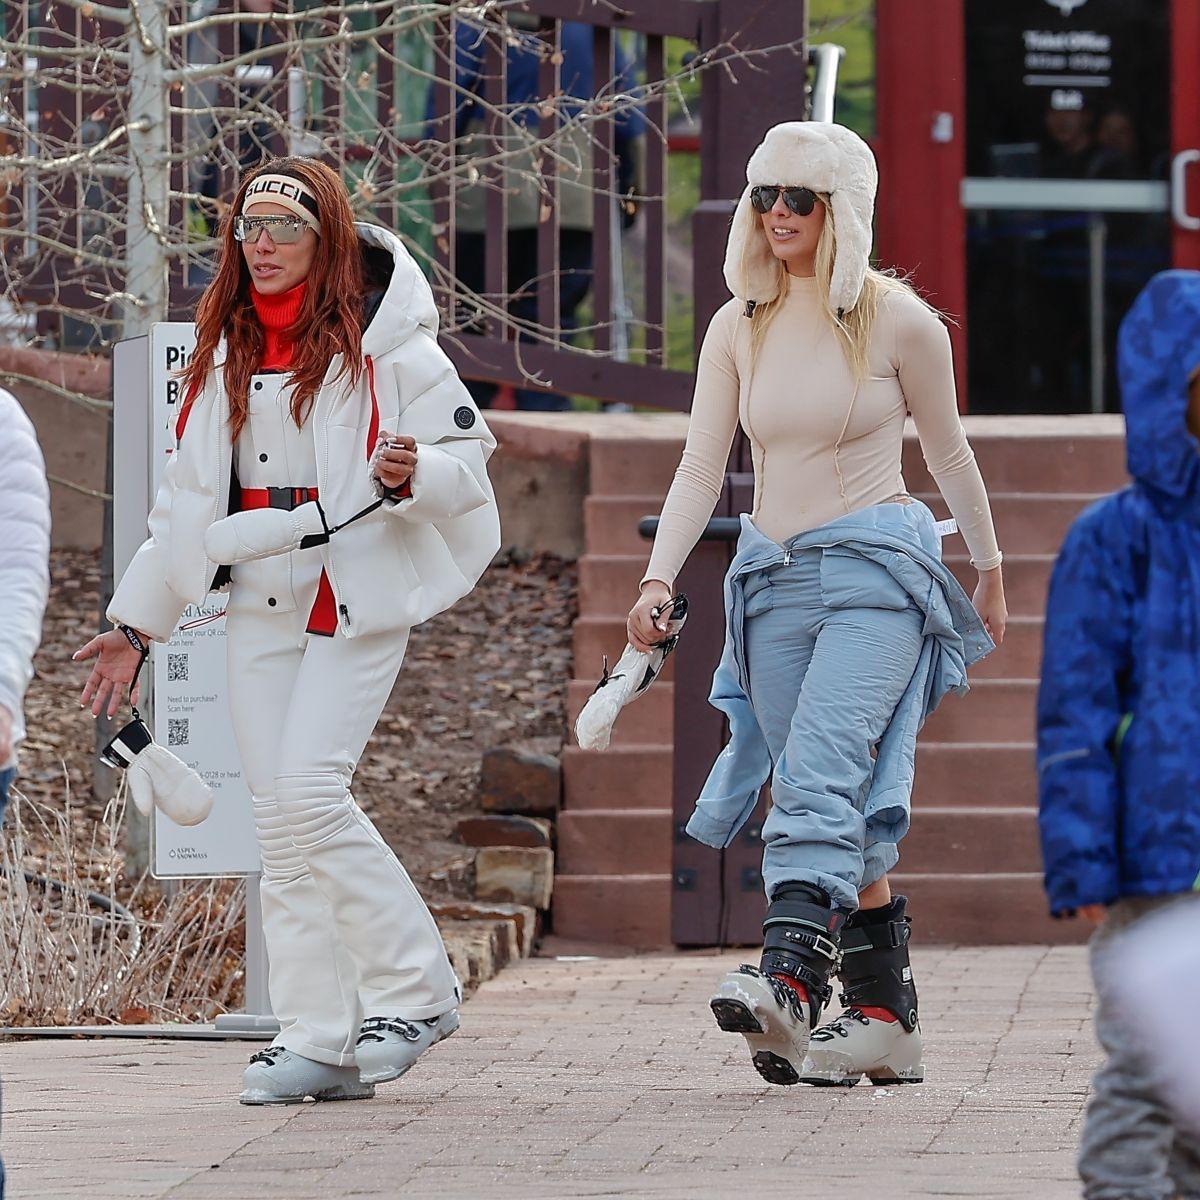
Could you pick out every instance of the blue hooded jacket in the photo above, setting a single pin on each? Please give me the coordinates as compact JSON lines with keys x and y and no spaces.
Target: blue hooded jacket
{"x":1119,"y":704}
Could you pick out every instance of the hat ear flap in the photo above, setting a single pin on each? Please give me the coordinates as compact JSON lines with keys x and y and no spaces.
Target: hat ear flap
{"x":750,"y":271}
{"x":853,"y":250}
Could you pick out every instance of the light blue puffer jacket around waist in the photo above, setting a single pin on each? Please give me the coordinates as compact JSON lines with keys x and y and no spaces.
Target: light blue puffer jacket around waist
{"x":903,"y":539}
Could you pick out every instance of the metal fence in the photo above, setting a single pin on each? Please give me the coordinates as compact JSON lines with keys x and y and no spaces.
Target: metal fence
{"x":124,"y":127}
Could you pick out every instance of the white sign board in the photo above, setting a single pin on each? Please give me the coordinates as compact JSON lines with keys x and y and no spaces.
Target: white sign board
{"x":190,"y":705}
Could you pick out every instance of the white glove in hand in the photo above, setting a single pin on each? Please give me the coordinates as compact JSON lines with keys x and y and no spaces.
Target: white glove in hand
{"x":593,"y":726}
{"x":157,"y":779}
{"x":262,"y":533}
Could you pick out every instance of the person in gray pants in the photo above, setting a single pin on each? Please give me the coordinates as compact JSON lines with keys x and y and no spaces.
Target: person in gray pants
{"x":1132,"y":1145}
{"x":1118,"y":727}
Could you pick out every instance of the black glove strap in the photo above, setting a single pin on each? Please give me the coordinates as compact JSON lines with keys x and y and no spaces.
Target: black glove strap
{"x":144,"y":650}
{"x":319,"y":539}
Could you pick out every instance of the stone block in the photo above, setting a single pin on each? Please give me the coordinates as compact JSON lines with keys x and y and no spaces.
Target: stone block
{"x":514,"y":780}
{"x":521,"y":917}
{"x":505,"y":829}
{"x":521,"y":875}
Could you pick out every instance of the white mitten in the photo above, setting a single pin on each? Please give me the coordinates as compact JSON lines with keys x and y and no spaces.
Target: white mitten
{"x":593,"y":726}
{"x":264,"y":532}
{"x":157,"y":779}
{"x":632,"y":675}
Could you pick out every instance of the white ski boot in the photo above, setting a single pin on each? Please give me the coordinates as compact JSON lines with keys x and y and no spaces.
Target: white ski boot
{"x":388,"y":1046}
{"x":800,"y":948}
{"x":878,"y":1036}
{"x":770,"y":1016}
{"x":280,"y":1076}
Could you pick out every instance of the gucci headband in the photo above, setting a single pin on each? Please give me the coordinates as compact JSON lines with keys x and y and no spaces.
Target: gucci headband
{"x":285,"y":191}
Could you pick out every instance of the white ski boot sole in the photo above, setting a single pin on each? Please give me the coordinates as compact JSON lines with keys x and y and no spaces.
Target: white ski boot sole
{"x":880,"y":1055}
{"x":747,"y":1002}
{"x":387,"y":1074}
{"x":349,"y":1090}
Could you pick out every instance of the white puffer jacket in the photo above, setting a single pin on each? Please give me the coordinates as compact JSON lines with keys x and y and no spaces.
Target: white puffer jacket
{"x":401,"y":565}
{"x":24,"y":557}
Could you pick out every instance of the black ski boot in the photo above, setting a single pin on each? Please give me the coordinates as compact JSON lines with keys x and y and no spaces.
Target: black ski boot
{"x":878,"y":1035}
{"x":775,"y":1005}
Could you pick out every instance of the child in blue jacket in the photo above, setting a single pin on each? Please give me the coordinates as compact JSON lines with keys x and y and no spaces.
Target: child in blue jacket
{"x":1119,"y":723}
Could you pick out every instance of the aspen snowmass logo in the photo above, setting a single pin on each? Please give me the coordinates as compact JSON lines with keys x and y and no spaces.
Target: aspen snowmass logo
{"x":1066,"y":7}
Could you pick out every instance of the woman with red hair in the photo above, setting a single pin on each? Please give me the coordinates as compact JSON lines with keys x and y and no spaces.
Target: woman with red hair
{"x":330,"y":469}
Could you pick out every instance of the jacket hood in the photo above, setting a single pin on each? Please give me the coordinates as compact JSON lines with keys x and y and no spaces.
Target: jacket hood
{"x":407,"y":298}
{"x":824,"y":157}
{"x":1158,"y":350}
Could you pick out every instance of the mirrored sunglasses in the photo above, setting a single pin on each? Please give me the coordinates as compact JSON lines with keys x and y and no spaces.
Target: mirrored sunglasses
{"x":799,"y":199}
{"x":284,"y":231}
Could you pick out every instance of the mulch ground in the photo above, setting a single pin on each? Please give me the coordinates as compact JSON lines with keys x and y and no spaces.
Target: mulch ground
{"x":492,"y":671}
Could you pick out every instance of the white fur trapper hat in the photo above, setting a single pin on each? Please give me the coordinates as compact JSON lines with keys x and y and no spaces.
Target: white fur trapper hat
{"x":823,"y":157}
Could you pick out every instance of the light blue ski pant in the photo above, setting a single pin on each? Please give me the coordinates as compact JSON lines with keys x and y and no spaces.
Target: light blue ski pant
{"x":827,"y":664}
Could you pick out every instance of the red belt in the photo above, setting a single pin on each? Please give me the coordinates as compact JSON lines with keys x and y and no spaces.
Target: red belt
{"x":286,"y":498}
{"x":323,"y":617}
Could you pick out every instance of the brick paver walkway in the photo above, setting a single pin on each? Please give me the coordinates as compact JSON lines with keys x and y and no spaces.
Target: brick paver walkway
{"x":587,"y":1079}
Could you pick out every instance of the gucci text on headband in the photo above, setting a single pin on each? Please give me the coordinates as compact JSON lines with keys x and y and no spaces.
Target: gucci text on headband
{"x":289,"y":193}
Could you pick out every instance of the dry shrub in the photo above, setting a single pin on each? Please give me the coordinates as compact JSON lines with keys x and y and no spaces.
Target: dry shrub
{"x":80,"y":944}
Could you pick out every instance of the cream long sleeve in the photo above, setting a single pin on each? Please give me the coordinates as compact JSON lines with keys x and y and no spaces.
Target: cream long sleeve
{"x":823,"y":443}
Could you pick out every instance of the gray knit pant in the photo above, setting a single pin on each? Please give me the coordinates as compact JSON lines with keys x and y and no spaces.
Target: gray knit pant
{"x":1130,"y":1148}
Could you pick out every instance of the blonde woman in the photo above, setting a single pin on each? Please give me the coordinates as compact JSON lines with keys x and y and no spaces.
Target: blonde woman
{"x":844,"y":629}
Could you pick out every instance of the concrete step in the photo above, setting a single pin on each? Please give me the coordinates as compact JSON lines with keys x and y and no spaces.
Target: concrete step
{"x":608,"y":583}
{"x":943,"y":840}
{"x":980,"y":909}
{"x":648,"y":721}
{"x":971,"y":840}
{"x":994,"y":710}
{"x":997,"y":710}
{"x":1072,"y":454}
{"x":629,"y":910}
{"x":632,"y":466}
{"x":962,"y":773}
{"x":1020,"y":656}
{"x":983,"y":909}
{"x":614,"y":841}
{"x":593,"y":637}
{"x":1027,"y":523}
{"x":1026,"y":578}
{"x":610,"y":523}
{"x":1036,"y":454}
{"x":621,"y":776}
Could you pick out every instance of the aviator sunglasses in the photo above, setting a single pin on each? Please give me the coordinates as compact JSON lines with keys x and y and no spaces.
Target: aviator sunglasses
{"x":799,"y":199}
{"x":284,"y":231}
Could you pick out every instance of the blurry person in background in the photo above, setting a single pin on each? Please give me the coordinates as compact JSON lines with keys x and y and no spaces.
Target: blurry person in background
{"x":1118,"y":727}
{"x":24,"y":573}
{"x":1163,"y":963}
{"x":24,"y":580}
{"x":575,"y":194}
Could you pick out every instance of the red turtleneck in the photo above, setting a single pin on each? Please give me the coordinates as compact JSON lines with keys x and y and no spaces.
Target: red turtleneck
{"x":277,"y":313}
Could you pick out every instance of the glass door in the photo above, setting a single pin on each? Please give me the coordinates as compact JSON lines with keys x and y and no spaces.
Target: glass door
{"x":1067,"y":192}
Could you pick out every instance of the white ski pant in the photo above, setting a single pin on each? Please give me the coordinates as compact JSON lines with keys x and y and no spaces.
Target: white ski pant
{"x":347,"y":933}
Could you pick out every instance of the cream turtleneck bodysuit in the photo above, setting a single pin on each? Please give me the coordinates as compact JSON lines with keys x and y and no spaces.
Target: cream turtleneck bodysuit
{"x":824,"y":444}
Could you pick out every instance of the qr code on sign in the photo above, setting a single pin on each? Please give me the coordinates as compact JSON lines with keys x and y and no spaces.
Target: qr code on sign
{"x":178,"y":731}
{"x":177,"y":668}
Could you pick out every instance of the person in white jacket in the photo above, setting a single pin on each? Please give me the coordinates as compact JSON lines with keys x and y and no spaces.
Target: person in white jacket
{"x":317,"y":393}
{"x":24,"y":573}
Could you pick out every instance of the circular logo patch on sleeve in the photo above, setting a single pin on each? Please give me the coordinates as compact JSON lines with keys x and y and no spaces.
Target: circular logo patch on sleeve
{"x":464,"y":417}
